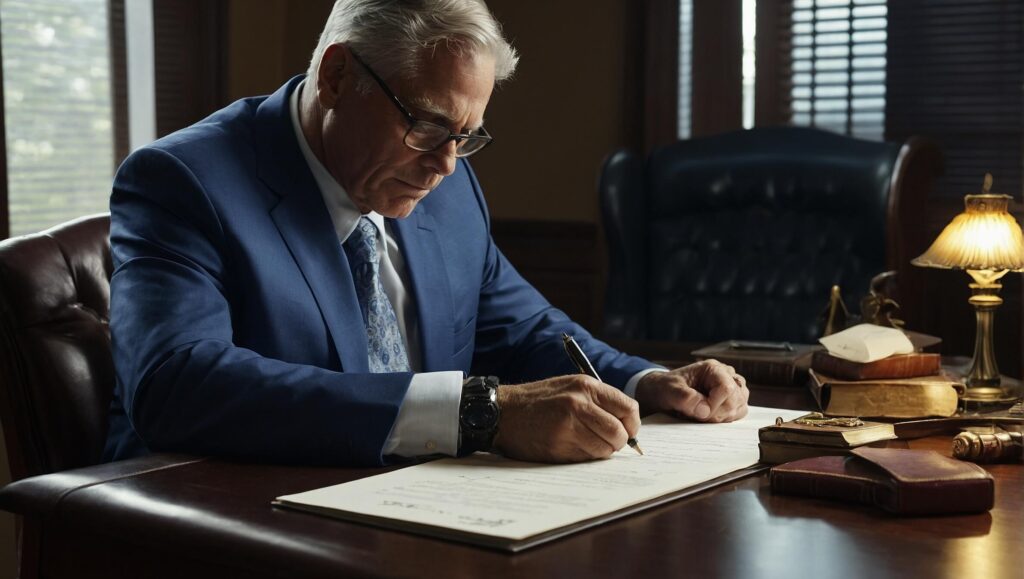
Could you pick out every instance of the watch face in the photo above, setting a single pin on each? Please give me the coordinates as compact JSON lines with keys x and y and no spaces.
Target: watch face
{"x":480,"y":415}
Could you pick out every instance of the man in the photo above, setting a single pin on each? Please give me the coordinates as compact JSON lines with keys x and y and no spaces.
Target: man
{"x":307,"y":277}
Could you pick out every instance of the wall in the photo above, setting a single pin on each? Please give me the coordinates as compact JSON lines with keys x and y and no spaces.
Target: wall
{"x":555,"y":121}
{"x":270,"y":41}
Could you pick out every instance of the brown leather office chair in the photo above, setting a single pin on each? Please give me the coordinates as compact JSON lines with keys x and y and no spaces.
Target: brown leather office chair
{"x":56,"y":370}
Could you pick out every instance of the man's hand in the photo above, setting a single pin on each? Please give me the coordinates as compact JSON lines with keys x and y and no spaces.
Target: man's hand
{"x":708,"y":391}
{"x":565,"y":419}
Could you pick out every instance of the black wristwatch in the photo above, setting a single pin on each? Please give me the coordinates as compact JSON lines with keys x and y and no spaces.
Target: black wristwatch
{"x":478,"y":414}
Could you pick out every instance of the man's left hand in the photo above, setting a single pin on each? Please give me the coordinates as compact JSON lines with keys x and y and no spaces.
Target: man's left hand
{"x":708,"y":391}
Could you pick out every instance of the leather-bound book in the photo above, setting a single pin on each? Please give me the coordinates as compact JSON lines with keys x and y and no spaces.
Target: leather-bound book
{"x":814,"y":435}
{"x":763,"y":363}
{"x":895,"y":366}
{"x":815,"y":429}
{"x":889,"y":397}
{"x":900,"y":481}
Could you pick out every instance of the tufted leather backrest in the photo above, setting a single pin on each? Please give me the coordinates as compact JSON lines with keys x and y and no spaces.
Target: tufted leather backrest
{"x":742,"y":235}
{"x":55,"y":363}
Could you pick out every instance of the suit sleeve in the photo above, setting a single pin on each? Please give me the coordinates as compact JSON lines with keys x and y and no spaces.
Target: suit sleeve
{"x":183,"y":382}
{"x":519,"y":333}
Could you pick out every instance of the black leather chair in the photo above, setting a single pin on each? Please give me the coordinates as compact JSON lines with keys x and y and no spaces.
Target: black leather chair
{"x":55,"y":363}
{"x":742,"y":235}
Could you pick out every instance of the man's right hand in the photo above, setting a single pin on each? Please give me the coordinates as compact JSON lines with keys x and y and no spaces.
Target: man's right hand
{"x":565,"y":419}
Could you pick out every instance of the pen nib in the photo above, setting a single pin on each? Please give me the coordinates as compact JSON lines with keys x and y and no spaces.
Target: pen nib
{"x":635,"y":446}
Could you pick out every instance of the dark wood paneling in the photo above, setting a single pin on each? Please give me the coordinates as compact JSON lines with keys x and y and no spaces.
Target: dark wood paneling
{"x":564,"y":260}
{"x":5,"y":224}
{"x":119,"y":79}
{"x":717,"y":66}
{"x":770,"y":107}
{"x":651,"y":75}
{"x":189,"y":52}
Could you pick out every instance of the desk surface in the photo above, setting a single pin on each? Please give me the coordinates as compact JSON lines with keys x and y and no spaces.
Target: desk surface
{"x":179,"y":516}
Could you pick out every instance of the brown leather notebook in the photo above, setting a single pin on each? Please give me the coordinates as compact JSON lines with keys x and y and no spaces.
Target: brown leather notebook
{"x":900,"y":481}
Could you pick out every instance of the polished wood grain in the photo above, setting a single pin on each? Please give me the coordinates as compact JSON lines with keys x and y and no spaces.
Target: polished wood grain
{"x":212,"y":518}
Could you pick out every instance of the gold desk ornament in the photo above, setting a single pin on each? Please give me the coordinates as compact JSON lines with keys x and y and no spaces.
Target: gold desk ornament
{"x":819,"y":419}
{"x":991,"y":444}
{"x":836,"y":314}
{"x":877,"y":307}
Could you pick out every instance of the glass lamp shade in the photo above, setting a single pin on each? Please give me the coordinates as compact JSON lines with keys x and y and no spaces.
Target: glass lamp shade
{"x":984,"y":237}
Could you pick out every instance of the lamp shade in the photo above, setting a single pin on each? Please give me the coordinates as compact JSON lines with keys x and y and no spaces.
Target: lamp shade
{"x":984,"y":237}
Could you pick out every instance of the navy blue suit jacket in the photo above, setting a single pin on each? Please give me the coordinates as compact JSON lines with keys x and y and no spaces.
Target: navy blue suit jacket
{"x":234,"y":320}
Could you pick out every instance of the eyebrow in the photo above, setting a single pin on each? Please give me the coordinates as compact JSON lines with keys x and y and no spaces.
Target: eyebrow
{"x":431,"y":108}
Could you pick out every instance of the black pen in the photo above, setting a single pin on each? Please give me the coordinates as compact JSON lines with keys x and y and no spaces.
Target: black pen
{"x":585,"y":367}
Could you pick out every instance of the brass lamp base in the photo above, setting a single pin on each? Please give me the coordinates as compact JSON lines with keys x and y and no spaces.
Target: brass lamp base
{"x":985,"y":389}
{"x":990,"y":397}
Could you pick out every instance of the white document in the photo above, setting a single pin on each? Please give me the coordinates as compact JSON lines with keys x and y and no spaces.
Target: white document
{"x":495,"y":497}
{"x":867,"y":343}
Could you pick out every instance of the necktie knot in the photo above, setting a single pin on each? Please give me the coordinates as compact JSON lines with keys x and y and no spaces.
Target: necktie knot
{"x":361,"y":245}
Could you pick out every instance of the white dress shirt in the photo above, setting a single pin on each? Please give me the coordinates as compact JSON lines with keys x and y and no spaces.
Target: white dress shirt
{"x":428,"y":421}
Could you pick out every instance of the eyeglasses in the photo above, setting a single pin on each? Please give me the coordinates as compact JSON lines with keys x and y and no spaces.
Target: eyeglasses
{"x":427,"y":136}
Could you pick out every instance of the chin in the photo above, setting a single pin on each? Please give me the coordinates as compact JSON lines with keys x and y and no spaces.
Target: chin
{"x":400,"y":208}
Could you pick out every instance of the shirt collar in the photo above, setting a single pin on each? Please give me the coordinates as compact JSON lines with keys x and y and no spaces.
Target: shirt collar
{"x":344,"y":213}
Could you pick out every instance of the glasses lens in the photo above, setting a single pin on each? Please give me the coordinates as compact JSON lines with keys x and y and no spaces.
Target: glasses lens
{"x":424,"y":136}
{"x":471,"y":145}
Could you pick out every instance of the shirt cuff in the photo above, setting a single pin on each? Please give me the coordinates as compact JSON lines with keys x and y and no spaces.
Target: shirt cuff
{"x":428,"y":421}
{"x":630,"y":389}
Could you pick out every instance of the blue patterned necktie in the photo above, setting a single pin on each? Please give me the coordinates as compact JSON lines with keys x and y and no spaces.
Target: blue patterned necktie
{"x":383,"y":338}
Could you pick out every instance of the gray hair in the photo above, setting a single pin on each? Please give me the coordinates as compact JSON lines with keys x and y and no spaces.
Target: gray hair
{"x":392,"y":35}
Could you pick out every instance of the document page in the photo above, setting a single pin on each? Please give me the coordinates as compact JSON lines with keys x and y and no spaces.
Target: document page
{"x":490,"y":495}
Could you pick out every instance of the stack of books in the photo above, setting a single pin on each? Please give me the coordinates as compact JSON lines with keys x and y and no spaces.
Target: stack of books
{"x":815,"y":435}
{"x":898,"y":386}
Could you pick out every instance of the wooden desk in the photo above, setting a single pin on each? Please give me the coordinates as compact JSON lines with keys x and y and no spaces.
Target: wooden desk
{"x":179,"y":516}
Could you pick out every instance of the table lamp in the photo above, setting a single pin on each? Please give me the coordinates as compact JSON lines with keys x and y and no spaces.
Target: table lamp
{"x":986,"y":241}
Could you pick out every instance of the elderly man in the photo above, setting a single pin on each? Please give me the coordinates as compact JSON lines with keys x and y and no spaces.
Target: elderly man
{"x":309,"y":277}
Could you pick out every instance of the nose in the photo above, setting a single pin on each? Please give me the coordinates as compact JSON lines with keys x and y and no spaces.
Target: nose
{"x":442,"y":160}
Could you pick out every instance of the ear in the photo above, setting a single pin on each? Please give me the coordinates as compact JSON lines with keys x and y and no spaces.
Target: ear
{"x":335,"y":75}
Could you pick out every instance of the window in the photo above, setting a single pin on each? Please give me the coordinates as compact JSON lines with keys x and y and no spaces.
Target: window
{"x":58,"y":111}
{"x":685,"y":67}
{"x":838,"y":65}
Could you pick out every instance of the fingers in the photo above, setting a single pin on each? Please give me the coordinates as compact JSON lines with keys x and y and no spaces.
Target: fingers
{"x":708,"y":391}
{"x":565,"y":419}
{"x":623,"y":408}
{"x":726,"y":392}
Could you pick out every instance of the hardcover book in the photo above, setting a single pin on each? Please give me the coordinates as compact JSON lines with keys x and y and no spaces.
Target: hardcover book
{"x":782,"y":452}
{"x":892,"y":398}
{"x":900,"y":481}
{"x":763,"y":363}
{"x":816,"y":430}
{"x":896,"y":366}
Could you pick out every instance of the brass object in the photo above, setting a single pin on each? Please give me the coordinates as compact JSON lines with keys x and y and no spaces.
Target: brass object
{"x":819,"y":419}
{"x":986,"y":241}
{"x":877,"y":307}
{"x":996,"y":446}
{"x":836,"y":315}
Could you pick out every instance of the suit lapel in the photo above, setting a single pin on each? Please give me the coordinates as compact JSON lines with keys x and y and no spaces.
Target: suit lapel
{"x":417,"y":237}
{"x":305,"y":225}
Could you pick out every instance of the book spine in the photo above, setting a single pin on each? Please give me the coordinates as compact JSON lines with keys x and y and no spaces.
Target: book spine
{"x":811,"y":484}
{"x":942,"y":498}
{"x":765,"y":373}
